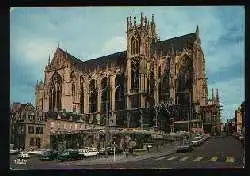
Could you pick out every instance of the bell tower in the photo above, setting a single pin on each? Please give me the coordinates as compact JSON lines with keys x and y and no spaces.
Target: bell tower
{"x":140,"y":37}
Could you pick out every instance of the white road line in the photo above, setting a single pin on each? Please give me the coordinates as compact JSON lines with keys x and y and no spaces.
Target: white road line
{"x":172,"y":158}
{"x":198,"y":158}
{"x":184,"y":158}
{"x":160,"y":158}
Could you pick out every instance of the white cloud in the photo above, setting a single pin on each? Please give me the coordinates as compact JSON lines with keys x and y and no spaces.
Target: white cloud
{"x":225,"y":56}
{"x":115,"y":44}
{"x":33,"y":51}
{"x":232,"y":94}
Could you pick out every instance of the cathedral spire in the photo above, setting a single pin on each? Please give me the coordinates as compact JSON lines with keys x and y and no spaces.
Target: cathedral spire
{"x":217,"y":95}
{"x":197,"y":32}
{"x":212,"y":94}
{"x":141,"y":19}
{"x":49,"y":60}
{"x":153,"y":20}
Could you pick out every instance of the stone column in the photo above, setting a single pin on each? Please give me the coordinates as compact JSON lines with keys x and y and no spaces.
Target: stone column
{"x":99,"y":101}
{"x":86,"y":97}
{"x":112,"y":98}
{"x":128,"y":83}
{"x":113,"y":90}
{"x":156,"y":97}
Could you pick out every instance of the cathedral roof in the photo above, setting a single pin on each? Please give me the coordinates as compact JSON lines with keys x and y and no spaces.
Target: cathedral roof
{"x":115,"y":59}
{"x":176,"y":43}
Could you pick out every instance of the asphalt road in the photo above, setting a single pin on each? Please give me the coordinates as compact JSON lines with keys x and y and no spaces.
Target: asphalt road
{"x":217,"y":152}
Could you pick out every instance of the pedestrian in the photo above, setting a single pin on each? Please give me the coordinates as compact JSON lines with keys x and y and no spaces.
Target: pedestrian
{"x":148,"y":148}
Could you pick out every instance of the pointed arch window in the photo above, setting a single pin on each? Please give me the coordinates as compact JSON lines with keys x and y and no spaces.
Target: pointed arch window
{"x":92,"y":96}
{"x":119,"y":93}
{"x":55,"y":92}
{"x":104,"y":95}
{"x":135,"y":46}
{"x":81,"y":96}
{"x":135,"y":66}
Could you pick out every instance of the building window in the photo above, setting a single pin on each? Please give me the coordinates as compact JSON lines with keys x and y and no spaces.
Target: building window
{"x":55,"y":92}
{"x":135,"y":46}
{"x":31,"y":141}
{"x":38,"y":142}
{"x":92,"y":96}
{"x":31,"y":129}
{"x":39,"y":130}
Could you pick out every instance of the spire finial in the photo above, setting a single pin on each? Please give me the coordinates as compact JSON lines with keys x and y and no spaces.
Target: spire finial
{"x":197,"y":31}
{"x":217,"y":94}
{"x":127,"y":22}
{"x":141,"y":19}
{"x":134,"y":20}
{"x":58,"y":44}
{"x":212,"y":94}
{"x":153,"y":20}
{"x":49,"y":60}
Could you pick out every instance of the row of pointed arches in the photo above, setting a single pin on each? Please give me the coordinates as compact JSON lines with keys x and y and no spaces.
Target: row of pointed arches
{"x":55,"y":94}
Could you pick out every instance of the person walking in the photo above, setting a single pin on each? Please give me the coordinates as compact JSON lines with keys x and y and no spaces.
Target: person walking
{"x":148,"y":148}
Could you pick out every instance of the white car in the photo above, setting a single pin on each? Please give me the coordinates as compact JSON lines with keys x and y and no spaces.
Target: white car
{"x":91,"y":152}
{"x":13,"y":151}
{"x":197,"y":140}
{"x":23,"y":155}
{"x":36,"y":152}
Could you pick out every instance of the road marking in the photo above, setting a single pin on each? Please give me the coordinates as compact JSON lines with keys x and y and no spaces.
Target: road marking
{"x":184,"y":158}
{"x":160,"y":158}
{"x":198,"y":158}
{"x":214,"y":158}
{"x":229,"y":159}
{"x":172,"y":158}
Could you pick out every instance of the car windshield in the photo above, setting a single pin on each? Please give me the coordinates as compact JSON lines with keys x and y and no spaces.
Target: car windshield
{"x":65,"y":153}
{"x":46,"y":153}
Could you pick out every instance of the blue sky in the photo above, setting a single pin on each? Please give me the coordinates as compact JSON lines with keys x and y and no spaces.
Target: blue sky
{"x":90,"y":32}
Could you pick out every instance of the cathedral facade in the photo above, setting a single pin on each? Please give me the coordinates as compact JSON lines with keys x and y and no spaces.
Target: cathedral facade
{"x":125,"y":89}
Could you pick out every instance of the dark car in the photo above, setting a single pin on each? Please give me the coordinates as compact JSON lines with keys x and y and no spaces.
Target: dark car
{"x":68,"y":155}
{"x":185,"y":147}
{"x":49,"y":155}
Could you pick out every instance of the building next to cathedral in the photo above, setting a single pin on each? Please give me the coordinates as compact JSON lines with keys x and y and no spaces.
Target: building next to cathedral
{"x":153,"y":83}
{"x":26,"y":128}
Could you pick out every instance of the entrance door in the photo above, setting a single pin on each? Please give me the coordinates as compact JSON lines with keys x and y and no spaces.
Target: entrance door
{"x":38,"y":142}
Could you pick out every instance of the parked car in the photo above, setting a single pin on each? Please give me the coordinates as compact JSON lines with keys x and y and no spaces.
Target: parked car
{"x":102,"y":151}
{"x":23,"y":155}
{"x":197,"y":141}
{"x":69,"y":154}
{"x":82,"y":153}
{"x":91,"y":152}
{"x":49,"y":155}
{"x":241,"y":138}
{"x":185,"y":147}
{"x":14,"y":151}
{"x":36,"y":152}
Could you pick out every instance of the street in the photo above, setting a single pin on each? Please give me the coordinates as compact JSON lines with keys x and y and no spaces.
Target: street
{"x":216,"y":152}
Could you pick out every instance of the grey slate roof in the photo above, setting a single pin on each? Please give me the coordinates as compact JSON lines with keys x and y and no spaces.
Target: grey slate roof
{"x":118,"y":58}
{"x":177,"y":43}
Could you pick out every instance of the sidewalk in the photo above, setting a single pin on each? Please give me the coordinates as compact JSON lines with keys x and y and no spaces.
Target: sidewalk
{"x":164,"y":150}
